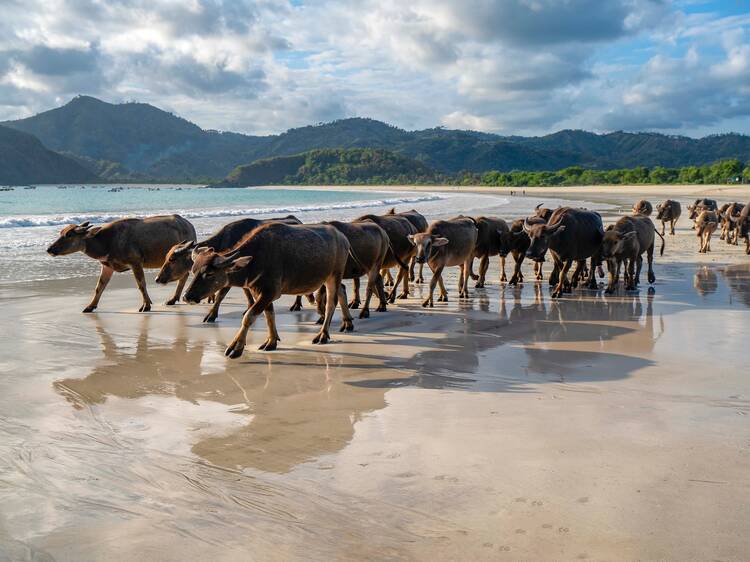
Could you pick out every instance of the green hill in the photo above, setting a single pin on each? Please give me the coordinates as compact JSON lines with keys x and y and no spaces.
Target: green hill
{"x":137,"y":140}
{"x":332,"y":167}
{"x":24,"y":160}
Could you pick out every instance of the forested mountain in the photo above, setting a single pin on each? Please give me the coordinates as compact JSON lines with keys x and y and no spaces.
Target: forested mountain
{"x":332,"y":167}
{"x":24,"y":160}
{"x":137,"y":140}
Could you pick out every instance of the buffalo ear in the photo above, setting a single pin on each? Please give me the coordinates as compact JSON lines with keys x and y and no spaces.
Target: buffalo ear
{"x":412,"y":240}
{"x":628,"y":235}
{"x":93,"y":231}
{"x":437,"y":242}
{"x":240,"y":263}
{"x":201,"y":250}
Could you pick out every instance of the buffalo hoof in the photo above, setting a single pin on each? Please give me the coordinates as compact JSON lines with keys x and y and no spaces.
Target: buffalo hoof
{"x":365,"y":313}
{"x":391,"y":298}
{"x":211,"y":299}
{"x":419,"y":280}
{"x":411,"y":277}
{"x":442,"y":298}
{"x":382,"y":307}
{"x":355,"y":304}
{"x":403,"y":296}
{"x":268,"y":345}
{"x":210,"y":317}
{"x":609,"y":291}
{"x":428,"y":303}
{"x":347,"y":326}
{"x":474,"y":276}
{"x":322,"y":338}
{"x":296,"y":307}
{"x":89,"y":308}
{"x":556,"y":294}
{"x":234,"y":350}
{"x":171,"y":302}
{"x":145,"y":307}
{"x":503,"y":279}
{"x":651,"y":278}
{"x":479,"y":286}
{"x":319,"y":321}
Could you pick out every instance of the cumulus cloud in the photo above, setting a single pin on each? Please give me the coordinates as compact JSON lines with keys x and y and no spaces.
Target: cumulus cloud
{"x":261,"y":66}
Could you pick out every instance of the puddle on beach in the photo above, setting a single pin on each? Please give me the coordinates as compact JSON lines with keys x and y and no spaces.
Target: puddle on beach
{"x":388,"y":444}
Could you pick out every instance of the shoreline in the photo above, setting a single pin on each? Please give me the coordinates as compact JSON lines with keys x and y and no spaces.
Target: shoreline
{"x":506,"y":426}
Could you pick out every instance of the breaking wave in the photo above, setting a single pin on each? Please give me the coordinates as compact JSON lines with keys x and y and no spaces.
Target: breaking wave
{"x":60,"y":220}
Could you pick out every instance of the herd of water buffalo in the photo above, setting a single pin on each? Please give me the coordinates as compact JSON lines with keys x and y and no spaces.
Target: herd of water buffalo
{"x":274,"y":257}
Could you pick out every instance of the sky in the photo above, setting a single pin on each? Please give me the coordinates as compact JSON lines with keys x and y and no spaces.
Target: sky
{"x":506,"y":66}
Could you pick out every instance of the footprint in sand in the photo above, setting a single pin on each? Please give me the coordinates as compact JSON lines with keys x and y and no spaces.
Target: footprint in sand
{"x":583,"y":500}
{"x":520,"y":531}
{"x":520,"y":500}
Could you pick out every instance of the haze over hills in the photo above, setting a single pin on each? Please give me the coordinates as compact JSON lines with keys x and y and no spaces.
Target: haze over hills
{"x":140,"y":141}
{"x":23,"y":160}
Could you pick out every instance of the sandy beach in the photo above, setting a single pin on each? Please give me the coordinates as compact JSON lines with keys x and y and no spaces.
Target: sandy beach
{"x":504,"y":427}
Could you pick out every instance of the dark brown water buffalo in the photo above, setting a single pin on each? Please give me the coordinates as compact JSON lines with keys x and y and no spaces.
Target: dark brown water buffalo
{"x":274,"y":260}
{"x":124,"y":244}
{"x":742,"y":224}
{"x":445,"y":244}
{"x":572,"y":235}
{"x":179,"y":260}
{"x":543,"y":212}
{"x":728,"y":226}
{"x":369,"y":249}
{"x":401,"y":250}
{"x":706,"y":224}
{"x":515,"y":243}
{"x":624,"y":244}
{"x":643,"y":207}
{"x":490,"y":233}
{"x":700,"y":205}
{"x":668,"y":212}
{"x":420,"y":223}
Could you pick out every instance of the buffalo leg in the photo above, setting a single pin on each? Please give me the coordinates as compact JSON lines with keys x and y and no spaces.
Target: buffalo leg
{"x":387,"y":277}
{"x":178,"y":291}
{"x":420,"y":275}
{"x":404,"y":294}
{"x":443,"y":291}
{"x":273,"y":335}
{"x":516,"y":277}
{"x":332,"y":286}
{"x":631,"y":265}
{"x":140,"y":280}
{"x":591,"y":283}
{"x":213,"y":314}
{"x":101,"y":284}
{"x":562,"y":280}
{"x":373,"y":277}
{"x":436,"y":276}
{"x":484,"y":265}
{"x":382,"y":296}
{"x":503,"y":277}
{"x":320,"y":304}
{"x":347,"y":323}
{"x":663,"y":227}
{"x":614,"y":272}
{"x":464,"y":287}
{"x":671,"y":226}
{"x":356,"y":301}
{"x":297,"y":304}
{"x":237,"y":346}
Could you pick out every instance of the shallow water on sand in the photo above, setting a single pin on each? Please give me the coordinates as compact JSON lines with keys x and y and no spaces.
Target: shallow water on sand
{"x":507,"y":426}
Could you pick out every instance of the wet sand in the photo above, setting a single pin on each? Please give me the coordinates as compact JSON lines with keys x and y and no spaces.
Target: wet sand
{"x":505,"y":427}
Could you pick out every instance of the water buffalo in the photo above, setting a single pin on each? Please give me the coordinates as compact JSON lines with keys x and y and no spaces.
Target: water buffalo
{"x":624,"y":244}
{"x":490,"y":233}
{"x":729,"y":230}
{"x":705,"y":225}
{"x":701,"y":204}
{"x":277,"y":259}
{"x":516,"y":242}
{"x":571,"y":235}
{"x":445,"y":244}
{"x":420,"y":223}
{"x":369,"y":249}
{"x":542,"y":212}
{"x":124,"y":244}
{"x":179,"y":260}
{"x":643,"y":207}
{"x":401,"y":250}
{"x":742,"y":226}
{"x":668,"y":212}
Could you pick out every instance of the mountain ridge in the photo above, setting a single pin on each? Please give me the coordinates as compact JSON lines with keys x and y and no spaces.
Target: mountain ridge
{"x":135,"y":139}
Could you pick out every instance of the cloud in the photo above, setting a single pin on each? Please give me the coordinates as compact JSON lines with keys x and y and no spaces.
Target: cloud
{"x":261,"y":66}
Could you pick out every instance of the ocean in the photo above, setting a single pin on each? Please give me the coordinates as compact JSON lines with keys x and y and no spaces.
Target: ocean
{"x":30,"y":219}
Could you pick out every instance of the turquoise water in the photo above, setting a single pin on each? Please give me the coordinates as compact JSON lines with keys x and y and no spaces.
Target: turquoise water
{"x":61,"y":205}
